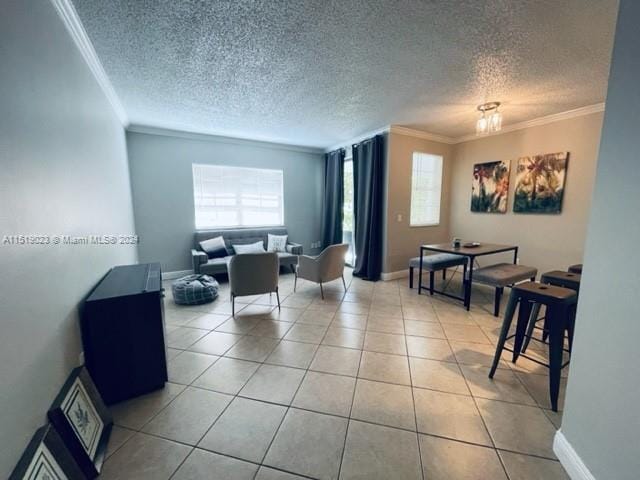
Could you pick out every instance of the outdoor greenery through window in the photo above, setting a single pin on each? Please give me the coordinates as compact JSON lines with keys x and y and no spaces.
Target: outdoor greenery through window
{"x":237,"y":197}
{"x":426,"y":188}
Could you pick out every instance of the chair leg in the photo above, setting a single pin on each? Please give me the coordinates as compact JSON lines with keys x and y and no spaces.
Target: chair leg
{"x":444,"y":274}
{"x":278,"y":298}
{"x":504,"y":332}
{"x":431,"y":281}
{"x":321,"y":291}
{"x":344,"y":284}
{"x":496,"y":303}
{"x":411,"y":277}
{"x":295,"y":283}
{"x":233,"y":305}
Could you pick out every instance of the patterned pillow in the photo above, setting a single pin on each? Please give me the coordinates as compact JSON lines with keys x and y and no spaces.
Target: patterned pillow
{"x":276,"y":243}
{"x":214,"y":247}
{"x":257,"y":247}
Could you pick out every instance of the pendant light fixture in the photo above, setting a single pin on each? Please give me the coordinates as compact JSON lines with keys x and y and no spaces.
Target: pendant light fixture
{"x":490,"y":118}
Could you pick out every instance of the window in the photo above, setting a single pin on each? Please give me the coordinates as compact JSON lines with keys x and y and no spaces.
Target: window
{"x":237,"y":197}
{"x":426,"y":188}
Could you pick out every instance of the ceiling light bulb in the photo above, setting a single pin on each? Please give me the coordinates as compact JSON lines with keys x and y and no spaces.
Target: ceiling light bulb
{"x":490,"y":118}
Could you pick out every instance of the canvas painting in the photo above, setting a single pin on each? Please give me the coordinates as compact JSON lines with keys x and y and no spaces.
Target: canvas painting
{"x":490,"y":187}
{"x":540,"y":183}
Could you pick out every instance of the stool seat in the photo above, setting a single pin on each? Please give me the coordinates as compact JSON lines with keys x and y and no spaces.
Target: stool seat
{"x":576,"y":268}
{"x":562,"y":279}
{"x":503,"y":274}
{"x":438,"y":261}
{"x":545,"y":294}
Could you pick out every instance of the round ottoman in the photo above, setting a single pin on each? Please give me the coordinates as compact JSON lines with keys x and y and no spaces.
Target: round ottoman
{"x":194,"y":290}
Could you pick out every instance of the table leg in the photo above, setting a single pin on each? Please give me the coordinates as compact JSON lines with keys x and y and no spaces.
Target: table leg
{"x":467,"y":291}
{"x":420,"y":273}
{"x":515,"y":256}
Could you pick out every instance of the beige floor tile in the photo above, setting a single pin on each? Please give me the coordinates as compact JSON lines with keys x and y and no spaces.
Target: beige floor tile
{"x":518,"y":428}
{"x":227,"y":375}
{"x":348,"y":320}
{"x":239,"y":325}
{"x":325,"y":393}
{"x":146,"y":458}
{"x":271,"y":328}
{"x":187,"y":366}
{"x":118,"y":437}
{"x":374,"y":452}
{"x":188,"y":417}
{"x":386,"y":310}
{"x":255,"y":349}
{"x":285,"y":314}
{"x":538,"y":387}
{"x":173,"y":353}
{"x":315,"y":317}
{"x":385,"y":325}
{"x":245,"y":429}
{"x":179,"y":317}
{"x":449,"y":415}
{"x":465,"y":333}
{"x":468,"y":353}
{"x":555,"y":417}
{"x":270,"y":300}
{"x":341,"y":361}
{"x":254,"y":310}
{"x":385,"y":343}
{"x":297,"y":301}
{"x":215,"y":343}
{"x":444,"y":459}
{"x":273,"y":383}
{"x":266,"y":473}
{"x":524,"y":467}
{"x":423,"y":313}
{"x":184,"y":337}
{"x":384,"y":403}
{"x":201,"y":464}
{"x":354,"y":308}
{"x":344,"y":337}
{"x":504,"y":386}
{"x":306,"y":333}
{"x":136,"y":412}
{"x":435,"y":375}
{"x":308,"y":443}
{"x":208,"y":321}
{"x":224,"y":307}
{"x":455,"y":315}
{"x":424,"y":329}
{"x":384,"y":367}
{"x":432,"y":348}
{"x":292,"y":354}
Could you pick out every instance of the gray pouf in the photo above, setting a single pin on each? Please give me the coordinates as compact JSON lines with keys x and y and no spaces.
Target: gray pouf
{"x":194,"y":290}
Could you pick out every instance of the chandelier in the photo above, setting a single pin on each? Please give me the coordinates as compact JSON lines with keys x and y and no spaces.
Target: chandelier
{"x":490,"y":118}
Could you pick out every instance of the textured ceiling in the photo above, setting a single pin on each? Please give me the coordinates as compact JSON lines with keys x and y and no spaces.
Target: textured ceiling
{"x":316,"y":72}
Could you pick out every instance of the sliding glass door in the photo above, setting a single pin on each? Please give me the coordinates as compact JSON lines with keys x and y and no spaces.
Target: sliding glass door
{"x":347,"y":212}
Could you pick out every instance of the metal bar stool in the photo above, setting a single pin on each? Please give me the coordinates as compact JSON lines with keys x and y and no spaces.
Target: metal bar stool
{"x":559,"y":302}
{"x":559,"y":279}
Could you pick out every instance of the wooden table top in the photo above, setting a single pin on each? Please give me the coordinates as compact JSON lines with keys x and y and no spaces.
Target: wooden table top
{"x":482,"y":249}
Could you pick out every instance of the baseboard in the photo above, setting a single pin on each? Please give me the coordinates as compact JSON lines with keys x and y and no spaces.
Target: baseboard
{"x":176,"y":274}
{"x":570,"y":460}
{"x":394,"y":275}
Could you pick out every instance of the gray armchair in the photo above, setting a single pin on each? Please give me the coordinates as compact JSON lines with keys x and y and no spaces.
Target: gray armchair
{"x":253,"y":274}
{"x":327,"y":266}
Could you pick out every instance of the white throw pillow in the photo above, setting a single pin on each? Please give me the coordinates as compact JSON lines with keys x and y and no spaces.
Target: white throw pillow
{"x":257,"y":247}
{"x":276,"y":243}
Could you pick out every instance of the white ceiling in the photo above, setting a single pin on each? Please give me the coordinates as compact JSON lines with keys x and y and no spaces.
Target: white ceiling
{"x":319,"y":72}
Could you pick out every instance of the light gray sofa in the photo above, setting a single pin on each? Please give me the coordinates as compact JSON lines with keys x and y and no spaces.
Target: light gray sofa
{"x":212,"y":266}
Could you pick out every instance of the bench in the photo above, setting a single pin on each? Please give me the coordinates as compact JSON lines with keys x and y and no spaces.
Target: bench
{"x":434,"y":263}
{"x":503,"y":275}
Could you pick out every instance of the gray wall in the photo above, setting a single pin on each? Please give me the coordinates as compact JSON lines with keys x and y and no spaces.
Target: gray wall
{"x":64,"y":171}
{"x":602,"y":410}
{"x":162,"y":186}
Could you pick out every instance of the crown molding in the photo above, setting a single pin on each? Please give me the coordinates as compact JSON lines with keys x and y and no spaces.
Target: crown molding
{"x":69,"y":16}
{"x":347,"y":144}
{"x":207,"y":137}
{"x":410,"y":132}
{"x":556,"y":117}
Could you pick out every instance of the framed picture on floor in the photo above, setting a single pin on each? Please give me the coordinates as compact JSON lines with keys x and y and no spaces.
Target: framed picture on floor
{"x":83,"y":421}
{"x":540,"y":183}
{"x":46,"y":458}
{"x":490,"y":187}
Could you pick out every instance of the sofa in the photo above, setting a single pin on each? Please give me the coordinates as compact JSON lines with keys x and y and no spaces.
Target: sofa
{"x":212,"y":266}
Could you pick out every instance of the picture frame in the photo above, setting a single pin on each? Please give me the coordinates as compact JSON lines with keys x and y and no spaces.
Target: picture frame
{"x":46,"y":458}
{"x":540,"y":183}
{"x":83,"y":421}
{"x":490,"y":187}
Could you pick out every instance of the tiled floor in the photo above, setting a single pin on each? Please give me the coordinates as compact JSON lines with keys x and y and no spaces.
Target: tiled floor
{"x":374,"y":383}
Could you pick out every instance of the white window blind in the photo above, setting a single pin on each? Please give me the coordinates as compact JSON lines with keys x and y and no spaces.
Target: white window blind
{"x":237,"y":197}
{"x":426,"y":188}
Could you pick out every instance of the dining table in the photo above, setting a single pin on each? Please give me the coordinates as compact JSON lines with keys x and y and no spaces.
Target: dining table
{"x":471,"y":250}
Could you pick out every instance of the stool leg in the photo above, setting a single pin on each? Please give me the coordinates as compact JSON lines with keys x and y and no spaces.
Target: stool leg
{"x":545,"y":327}
{"x":444,"y":274}
{"x":504,"y":331}
{"x":496,"y":303}
{"x":411,"y":277}
{"x":557,"y":322}
{"x":535,"y":311}
{"x":521,"y":328}
{"x":431,"y":281}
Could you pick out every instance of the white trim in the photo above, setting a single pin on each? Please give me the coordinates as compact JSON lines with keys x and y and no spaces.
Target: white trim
{"x":168,"y":132}
{"x":395,"y":275}
{"x":410,"y":132}
{"x":570,"y":460}
{"x":72,"y":22}
{"x":176,"y":274}
{"x":556,"y":117}
{"x":359,"y":138}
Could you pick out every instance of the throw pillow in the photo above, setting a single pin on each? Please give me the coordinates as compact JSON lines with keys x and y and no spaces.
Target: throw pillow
{"x":276,"y":243}
{"x":257,"y":247}
{"x":214,"y":247}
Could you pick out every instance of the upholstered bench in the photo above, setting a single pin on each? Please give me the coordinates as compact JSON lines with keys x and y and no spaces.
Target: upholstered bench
{"x":434,"y":263}
{"x":503,"y":275}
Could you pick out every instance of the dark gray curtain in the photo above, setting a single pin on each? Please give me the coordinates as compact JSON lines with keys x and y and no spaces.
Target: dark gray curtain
{"x":368,"y":185}
{"x":333,"y":198}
